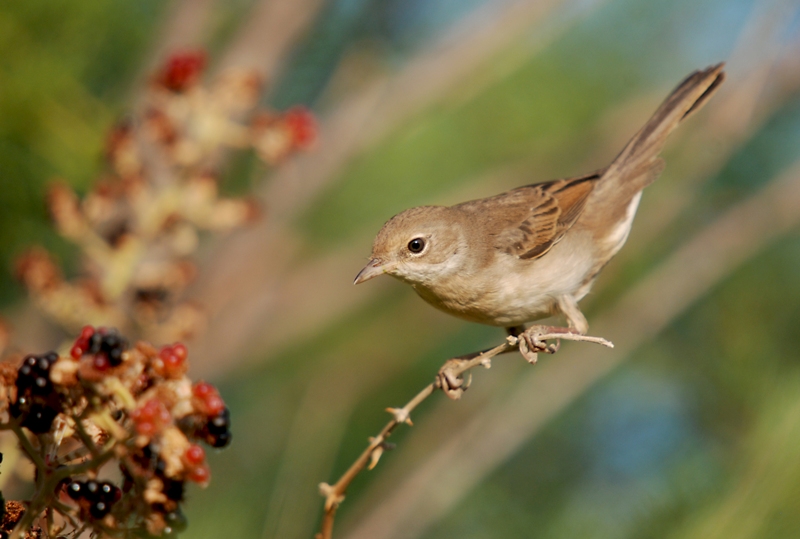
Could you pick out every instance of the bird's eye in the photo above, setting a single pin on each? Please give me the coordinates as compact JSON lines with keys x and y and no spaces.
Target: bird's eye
{"x":416,"y":245}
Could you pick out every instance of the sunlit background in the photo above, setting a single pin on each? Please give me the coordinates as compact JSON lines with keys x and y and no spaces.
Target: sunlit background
{"x":690,"y":428}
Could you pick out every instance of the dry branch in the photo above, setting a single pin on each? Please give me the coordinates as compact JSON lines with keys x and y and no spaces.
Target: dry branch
{"x":453,"y":369}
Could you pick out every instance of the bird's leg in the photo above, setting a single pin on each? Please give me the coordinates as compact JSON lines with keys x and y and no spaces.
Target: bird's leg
{"x":575,"y":319}
{"x":531,"y":342}
{"x":515,"y":331}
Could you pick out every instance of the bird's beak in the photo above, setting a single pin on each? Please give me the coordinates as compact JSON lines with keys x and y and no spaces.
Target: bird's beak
{"x":373,"y":268}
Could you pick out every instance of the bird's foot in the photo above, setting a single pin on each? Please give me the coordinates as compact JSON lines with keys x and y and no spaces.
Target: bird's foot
{"x":451,"y":380}
{"x":533,"y":340}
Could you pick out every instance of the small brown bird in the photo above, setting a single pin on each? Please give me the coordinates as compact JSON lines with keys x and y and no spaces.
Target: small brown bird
{"x":534,"y":251}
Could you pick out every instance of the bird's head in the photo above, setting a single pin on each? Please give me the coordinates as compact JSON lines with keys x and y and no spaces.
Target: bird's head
{"x":419,"y":246}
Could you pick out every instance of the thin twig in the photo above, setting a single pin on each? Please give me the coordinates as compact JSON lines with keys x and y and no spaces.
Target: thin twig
{"x":455,"y":367}
{"x":27,"y":446}
{"x":85,"y":438}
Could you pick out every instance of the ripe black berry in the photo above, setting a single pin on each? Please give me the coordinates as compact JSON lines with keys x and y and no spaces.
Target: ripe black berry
{"x":98,"y":510}
{"x":94,"y":342}
{"x":39,"y":419}
{"x":75,"y":490}
{"x":101,"y":495}
{"x":109,"y":493}
{"x":217,"y":430}
{"x":37,"y":403}
{"x":43,"y":363}
{"x":176,"y":520}
{"x":173,"y":489}
{"x":108,"y":342}
{"x":91,"y":490}
{"x":218,"y":425}
{"x":222,"y":440}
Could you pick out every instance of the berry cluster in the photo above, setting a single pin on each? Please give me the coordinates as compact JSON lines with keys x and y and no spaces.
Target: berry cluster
{"x":97,"y":498}
{"x":195,"y":459}
{"x":36,"y":405}
{"x":216,"y":430}
{"x":105,"y":344}
{"x":130,"y":404}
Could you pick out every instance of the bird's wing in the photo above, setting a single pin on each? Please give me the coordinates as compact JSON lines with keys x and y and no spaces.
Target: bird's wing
{"x":526,"y":222}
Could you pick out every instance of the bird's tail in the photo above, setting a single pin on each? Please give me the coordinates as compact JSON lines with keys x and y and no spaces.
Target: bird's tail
{"x":638,"y":164}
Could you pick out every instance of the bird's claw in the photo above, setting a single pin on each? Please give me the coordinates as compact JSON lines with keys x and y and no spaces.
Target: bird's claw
{"x":453,"y":384}
{"x":532,"y":341}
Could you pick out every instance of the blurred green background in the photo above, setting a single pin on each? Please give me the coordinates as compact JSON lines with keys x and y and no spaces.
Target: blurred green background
{"x":693,"y":433}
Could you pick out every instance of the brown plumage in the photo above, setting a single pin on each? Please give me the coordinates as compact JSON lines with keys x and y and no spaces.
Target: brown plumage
{"x":536,"y":250}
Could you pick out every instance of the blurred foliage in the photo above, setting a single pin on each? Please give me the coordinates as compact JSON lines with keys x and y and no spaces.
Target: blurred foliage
{"x":65,"y":74}
{"x":694,"y":437}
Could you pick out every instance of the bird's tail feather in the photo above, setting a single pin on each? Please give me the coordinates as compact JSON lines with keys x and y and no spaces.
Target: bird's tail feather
{"x":638,"y":164}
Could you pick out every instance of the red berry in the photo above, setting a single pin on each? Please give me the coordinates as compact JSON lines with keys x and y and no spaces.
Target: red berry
{"x":82,"y":342}
{"x":100,"y":362}
{"x":151,"y":417}
{"x":180,"y":350}
{"x":171,"y":361}
{"x":214,"y":405}
{"x":150,"y":410}
{"x":195,"y":455}
{"x":182,"y":70}
{"x":200,"y":474}
{"x":302,"y":125}
{"x":202,"y":390}
{"x":145,"y":428}
{"x":211,"y":403}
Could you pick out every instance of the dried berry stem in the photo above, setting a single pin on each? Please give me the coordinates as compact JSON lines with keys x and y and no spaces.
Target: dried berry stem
{"x":26,"y":444}
{"x":48,"y":479}
{"x":85,"y":438}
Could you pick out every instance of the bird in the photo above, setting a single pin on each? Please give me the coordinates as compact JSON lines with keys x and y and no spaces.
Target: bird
{"x":534,"y":251}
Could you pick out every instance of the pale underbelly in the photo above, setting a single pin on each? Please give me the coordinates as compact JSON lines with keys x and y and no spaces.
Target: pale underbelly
{"x":503,"y":315}
{"x":514,"y":291}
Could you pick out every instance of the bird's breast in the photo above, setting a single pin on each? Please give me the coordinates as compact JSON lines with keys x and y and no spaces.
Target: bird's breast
{"x":509,"y":291}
